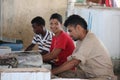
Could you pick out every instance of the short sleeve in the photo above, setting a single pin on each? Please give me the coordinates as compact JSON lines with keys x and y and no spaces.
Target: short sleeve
{"x":83,"y":51}
{"x":34,"y":41}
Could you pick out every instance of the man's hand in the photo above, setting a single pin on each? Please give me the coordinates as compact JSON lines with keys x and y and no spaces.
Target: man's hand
{"x":66,"y":66}
{"x":29,"y":48}
{"x":52,"y":55}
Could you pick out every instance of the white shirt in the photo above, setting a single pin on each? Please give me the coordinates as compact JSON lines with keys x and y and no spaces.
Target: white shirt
{"x":95,"y":59}
{"x":44,"y":43}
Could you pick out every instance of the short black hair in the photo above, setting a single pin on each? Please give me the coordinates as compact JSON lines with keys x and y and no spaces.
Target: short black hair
{"x":75,"y":20}
{"x":56,"y":16}
{"x":38,"y":20}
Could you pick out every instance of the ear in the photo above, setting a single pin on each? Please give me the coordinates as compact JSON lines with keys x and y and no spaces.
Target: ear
{"x":78,"y":27}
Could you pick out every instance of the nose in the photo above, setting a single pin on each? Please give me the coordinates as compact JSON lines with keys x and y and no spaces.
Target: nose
{"x":70,"y":34}
{"x":52,"y":26}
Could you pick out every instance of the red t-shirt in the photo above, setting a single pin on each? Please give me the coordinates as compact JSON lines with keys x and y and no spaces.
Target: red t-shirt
{"x":62,"y":41}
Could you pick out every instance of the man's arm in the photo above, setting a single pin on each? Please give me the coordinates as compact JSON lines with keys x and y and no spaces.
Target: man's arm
{"x":52,"y":55}
{"x":66,"y":66}
{"x":30,"y":47}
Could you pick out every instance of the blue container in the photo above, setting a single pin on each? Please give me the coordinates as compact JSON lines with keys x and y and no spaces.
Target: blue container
{"x":14,"y":46}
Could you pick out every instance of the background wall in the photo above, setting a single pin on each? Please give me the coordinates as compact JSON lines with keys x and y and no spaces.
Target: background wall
{"x":16,"y":16}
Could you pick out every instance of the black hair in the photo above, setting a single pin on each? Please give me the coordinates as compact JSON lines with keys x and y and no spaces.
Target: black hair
{"x":75,"y":20}
{"x":38,"y":20}
{"x":56,"y":16}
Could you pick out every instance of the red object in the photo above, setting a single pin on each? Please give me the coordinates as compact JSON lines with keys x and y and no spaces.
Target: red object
{"x":62,"y":41}
{"x":108,"y":3}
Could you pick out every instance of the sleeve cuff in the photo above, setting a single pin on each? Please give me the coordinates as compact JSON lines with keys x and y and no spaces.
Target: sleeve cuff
{"x":81,"y":58}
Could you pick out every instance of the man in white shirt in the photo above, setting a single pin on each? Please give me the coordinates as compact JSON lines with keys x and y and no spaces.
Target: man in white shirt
{"x":90,"y":55}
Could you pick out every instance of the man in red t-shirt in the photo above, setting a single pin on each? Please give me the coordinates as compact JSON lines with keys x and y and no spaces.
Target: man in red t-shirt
{"x":62,"y":44}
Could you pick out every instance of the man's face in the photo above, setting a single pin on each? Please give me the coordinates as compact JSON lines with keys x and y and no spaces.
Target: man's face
{"x":55,"y":25}
{"x":73,"y":32}
{"x":37,"y":28}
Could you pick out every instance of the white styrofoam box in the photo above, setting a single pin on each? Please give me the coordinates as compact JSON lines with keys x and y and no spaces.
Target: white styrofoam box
{"x":72,"y":1}
{"x":68,"y":79}
{"x":30,"y":59}
{"x":3,"y":66}
{"x":5,"y":49}
{"x":25,"y":74}
{"x":47,"y":66}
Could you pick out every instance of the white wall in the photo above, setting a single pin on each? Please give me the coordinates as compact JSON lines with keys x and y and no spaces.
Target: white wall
{"x":17,"y":15}
{"x":105,"y":23}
